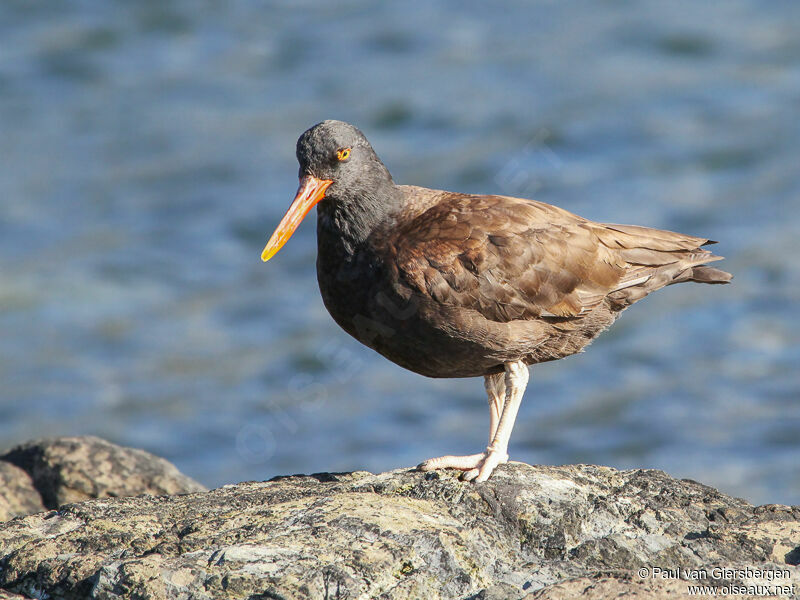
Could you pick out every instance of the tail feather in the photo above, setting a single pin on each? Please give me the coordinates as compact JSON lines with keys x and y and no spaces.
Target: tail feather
{"x":655,"y":259}
{"x":634,"y":236}
{"x":706,"y":274}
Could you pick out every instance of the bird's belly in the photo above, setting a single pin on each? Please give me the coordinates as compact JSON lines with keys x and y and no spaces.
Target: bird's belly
{"x":406,"y":332}
{"x":437,"y":340}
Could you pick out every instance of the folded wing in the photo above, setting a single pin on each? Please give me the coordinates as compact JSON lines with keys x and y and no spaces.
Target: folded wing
{"x":510,"y":258}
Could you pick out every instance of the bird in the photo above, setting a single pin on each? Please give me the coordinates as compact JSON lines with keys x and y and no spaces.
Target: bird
{"x":452,"y":285}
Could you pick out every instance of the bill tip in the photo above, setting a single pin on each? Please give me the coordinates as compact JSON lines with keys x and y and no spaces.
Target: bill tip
{"x":267,"y":254}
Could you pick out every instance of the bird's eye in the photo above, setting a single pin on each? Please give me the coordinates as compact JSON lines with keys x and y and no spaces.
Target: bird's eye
{"x":343,"y":154}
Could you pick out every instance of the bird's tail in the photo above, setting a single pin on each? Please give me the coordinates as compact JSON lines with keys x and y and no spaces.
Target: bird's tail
{"x":657,"y":258}
{"x":704,"y":274}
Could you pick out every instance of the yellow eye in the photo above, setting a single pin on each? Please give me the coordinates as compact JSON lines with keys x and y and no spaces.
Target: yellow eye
{"x":343,"y":154}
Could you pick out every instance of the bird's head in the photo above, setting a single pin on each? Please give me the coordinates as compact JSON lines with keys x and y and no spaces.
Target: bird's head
{"x":337,"y":163}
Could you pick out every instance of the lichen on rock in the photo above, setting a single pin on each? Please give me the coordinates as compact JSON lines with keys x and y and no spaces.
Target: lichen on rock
{"x":529,"y":532}
{"x":47,"y":473}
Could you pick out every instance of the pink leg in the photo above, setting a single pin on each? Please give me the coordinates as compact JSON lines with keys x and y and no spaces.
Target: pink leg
{"x":496,"y":391}
{"x":505,"y":392}
{"x":516,"y":378}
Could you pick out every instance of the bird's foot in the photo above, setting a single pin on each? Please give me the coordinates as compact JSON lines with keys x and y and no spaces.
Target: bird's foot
{"x":476,"y":467}
{"x":483,"y":471}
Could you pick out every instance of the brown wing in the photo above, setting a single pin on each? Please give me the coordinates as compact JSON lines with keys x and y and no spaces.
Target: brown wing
{"x":510,"y":258}
{"x":506,"y":258}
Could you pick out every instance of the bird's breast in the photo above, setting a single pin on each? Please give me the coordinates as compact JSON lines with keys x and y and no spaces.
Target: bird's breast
{"x":352,"y":285}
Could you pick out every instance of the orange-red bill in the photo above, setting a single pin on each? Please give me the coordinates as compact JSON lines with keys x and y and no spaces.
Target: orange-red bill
{"x":311,"y":191}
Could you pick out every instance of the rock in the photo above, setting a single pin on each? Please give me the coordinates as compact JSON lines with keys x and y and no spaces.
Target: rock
{"x":17,"y":495}
{"x":51,"y":472}
{"x":529,"y":532}
{"x":606,"y":586}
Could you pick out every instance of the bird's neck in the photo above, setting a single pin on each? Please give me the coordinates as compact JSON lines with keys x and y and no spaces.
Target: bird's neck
{"x":351,"y":219}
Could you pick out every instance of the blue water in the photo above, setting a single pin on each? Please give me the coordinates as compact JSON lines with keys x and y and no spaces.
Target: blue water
{"x":147,"y":152}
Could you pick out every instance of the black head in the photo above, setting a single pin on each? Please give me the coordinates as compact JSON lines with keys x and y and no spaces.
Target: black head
{"x":339,"y":152}
{"x":340,"y":169}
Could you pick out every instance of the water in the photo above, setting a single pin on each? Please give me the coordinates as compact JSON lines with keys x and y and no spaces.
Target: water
{"x":147,"y":152}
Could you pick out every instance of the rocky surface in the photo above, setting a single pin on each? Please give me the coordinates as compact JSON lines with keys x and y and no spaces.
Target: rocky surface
{"x":47,"y":473}
{"x":18,"y":496}
{"x":529,"y":532}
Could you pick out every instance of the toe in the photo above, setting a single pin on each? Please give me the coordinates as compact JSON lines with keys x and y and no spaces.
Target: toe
{"x":462,"y":463}
{"x":470,"y":475}
{"x":488,"y":466}
{"x":484,"y":474}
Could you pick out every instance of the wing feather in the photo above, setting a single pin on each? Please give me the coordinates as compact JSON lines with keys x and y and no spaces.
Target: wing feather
{"x":510,"y":258}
